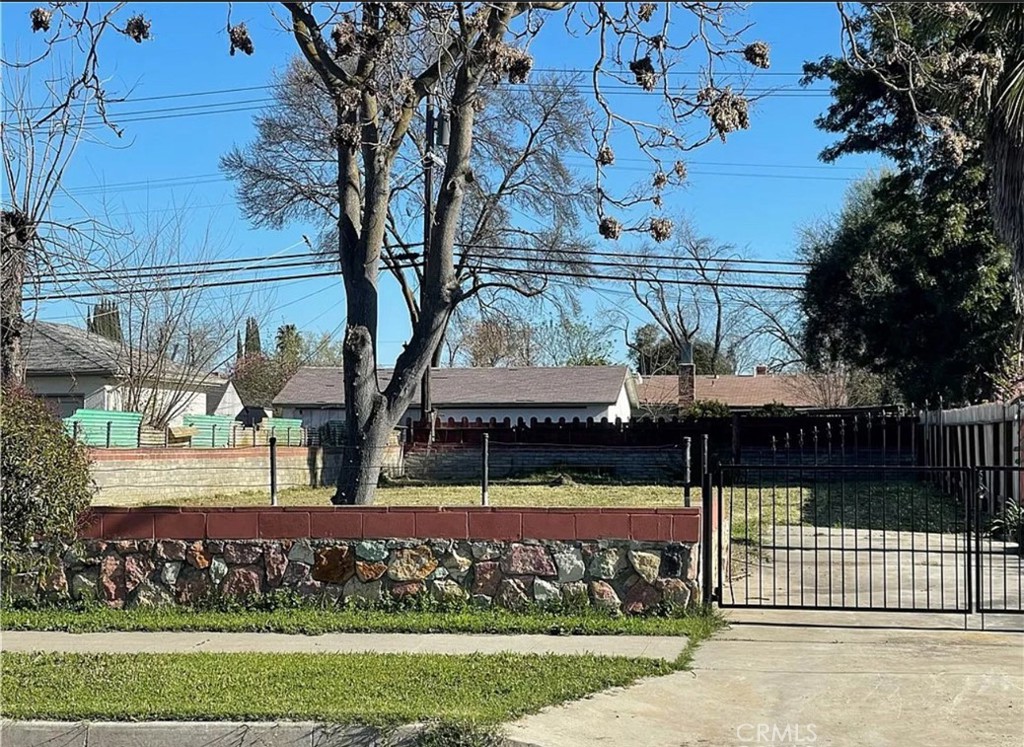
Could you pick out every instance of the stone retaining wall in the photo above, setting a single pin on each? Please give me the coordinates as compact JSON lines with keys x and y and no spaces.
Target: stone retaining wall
{"x":616,"y":575}
{"x":612,"y":559}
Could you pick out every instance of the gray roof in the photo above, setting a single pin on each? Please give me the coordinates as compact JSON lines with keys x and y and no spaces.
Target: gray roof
{"x":53,"y":349}
{"x":313,"y":386}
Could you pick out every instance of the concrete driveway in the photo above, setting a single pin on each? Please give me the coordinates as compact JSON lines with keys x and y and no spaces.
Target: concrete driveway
{"x":820,"y":566}
{"x":767,"y":684}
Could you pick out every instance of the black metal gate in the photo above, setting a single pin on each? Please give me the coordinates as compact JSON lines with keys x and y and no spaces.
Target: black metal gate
{"x":999,"y":540}
{"x":844,"y":537}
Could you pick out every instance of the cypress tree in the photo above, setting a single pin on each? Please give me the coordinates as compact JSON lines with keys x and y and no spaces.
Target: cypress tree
{"x":252,"y":337}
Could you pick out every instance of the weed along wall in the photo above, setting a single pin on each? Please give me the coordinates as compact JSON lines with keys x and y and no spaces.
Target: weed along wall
{"x":628,"y":560}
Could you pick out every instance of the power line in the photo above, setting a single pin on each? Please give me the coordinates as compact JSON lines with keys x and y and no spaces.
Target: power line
{"x":306,"y":259}
{"x":582,"y":71}
{"x":189,"y":286}
{"x":619,"y":278}
{"x":635,"y":255}
{"x":134,"y":271}
{"x":636,"y":261}
{"x":487,"y":268}
{"x":199,"y":179}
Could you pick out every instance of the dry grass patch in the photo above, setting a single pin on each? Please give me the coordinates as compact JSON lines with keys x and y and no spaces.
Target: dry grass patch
{"x":501,"y":494}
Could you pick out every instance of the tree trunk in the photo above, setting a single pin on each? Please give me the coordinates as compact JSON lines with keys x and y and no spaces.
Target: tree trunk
{"x":16,"y":239}
{"x":1006,"y":156}
{"x":368,"y":425}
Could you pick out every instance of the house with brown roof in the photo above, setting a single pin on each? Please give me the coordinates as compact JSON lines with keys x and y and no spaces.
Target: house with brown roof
{"x":317,"y":394}
{"x":665,"y":396}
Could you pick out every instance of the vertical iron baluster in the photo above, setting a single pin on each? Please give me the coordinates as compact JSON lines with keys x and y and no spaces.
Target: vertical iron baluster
{"x":885,"y":556}
{"x":914,"y":518}
{"x":856,"y":440}
{"x":800,"y":483}
{"x":1006,"y":506}
{"x":942,"y":549}
{"x":899,"y":435}
{"x":956,"y":546}
{"x":789,"y":577}
{"x":842,"y":511}
{"x":927,"y":555}
{"x":828,"y":477}
{"x":720,"y":586}
{"x":732,"y":514}
{"x":746,"y":539}
{"x":902,"y":489}
{"x":915,"y":419}
{"x":868,"y":524}
{"x":817,"y":512}
{"x":760,"y":532}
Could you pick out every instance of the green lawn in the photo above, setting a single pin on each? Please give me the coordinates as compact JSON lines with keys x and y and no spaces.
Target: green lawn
{"x":311,"y":621}
{"x":500,"y":494}
{"x":339,"y":688}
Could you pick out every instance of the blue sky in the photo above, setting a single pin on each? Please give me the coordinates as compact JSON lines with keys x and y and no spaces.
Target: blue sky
{"x":754,"y":191}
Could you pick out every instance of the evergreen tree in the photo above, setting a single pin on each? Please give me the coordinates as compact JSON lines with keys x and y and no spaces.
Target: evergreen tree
{"x":105,"y":319}
{"x":239,"y":351}
{"x":252,"y":337}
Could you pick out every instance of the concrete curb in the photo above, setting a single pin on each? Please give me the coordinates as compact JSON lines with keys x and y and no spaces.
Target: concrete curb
{"x":207,"y":734}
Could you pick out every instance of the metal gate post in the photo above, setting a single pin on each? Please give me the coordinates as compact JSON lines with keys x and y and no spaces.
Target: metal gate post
{"x":978,"y":495}
{"x":706,"y":534}
{"x":273,"y":471}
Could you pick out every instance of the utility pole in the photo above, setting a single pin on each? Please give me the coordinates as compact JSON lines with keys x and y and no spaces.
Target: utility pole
{"x":436,"y":134}
{"x":426,"y":405}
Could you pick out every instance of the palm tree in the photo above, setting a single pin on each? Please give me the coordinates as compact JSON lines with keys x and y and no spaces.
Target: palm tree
{"x":1002,"y":24}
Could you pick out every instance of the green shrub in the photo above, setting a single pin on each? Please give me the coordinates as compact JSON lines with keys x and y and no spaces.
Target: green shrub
{"x":46,"y":481}
{"x":708,"y":408}
{"x":773,"y":410}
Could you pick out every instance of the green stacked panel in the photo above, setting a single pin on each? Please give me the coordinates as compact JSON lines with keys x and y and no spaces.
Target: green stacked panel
{"x":108,"y":428}
{"x":212,"y":431}
{"x":288,"y":431}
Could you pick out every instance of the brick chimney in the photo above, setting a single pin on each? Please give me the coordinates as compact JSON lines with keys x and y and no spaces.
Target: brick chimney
{"x":760,"y":370}
{"x":687,"y":379}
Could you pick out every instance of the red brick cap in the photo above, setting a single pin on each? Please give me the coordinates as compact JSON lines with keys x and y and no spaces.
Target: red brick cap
{"x":371,"y":522}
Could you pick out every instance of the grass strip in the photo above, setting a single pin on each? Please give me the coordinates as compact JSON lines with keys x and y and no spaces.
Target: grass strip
{"x":310,"y":621}
{"x":502,"y":494}
{"x":378,"y":689}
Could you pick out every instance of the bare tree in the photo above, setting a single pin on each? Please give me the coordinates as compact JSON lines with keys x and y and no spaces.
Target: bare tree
{"x":502,"y":339}
{"x":177,"y":331}
{"x":49,"y":97}
{"x":369,"y":57}
{"x":680,"y":285}
{"x":524,"y":204}
{"x":773,"y":326}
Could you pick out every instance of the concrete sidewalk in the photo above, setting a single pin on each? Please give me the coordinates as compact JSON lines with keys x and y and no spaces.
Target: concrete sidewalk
{"x":652,"y":647}
{"x":763,"y":684}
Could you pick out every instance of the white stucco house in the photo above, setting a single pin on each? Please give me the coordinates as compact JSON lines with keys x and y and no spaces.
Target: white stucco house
{"x":73,"y":368}
{"x":317,"y":394}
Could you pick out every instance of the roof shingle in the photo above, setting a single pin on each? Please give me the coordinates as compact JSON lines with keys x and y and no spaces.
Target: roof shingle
{"x":508,"y":387}
{"x":59,"y":349}
{"x":792,"y":390}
